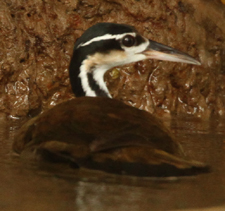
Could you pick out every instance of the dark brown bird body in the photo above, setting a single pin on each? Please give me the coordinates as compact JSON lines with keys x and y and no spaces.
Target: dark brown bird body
{"x":98,"y":132}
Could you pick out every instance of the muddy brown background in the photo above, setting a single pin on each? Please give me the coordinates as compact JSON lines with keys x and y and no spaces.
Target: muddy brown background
{"x":37,"y":38}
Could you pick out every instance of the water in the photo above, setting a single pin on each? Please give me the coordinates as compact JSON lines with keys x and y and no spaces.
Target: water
{"x":30,"y":186}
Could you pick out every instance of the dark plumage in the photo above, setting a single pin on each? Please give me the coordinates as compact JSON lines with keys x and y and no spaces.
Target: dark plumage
{"x":104,"y":134}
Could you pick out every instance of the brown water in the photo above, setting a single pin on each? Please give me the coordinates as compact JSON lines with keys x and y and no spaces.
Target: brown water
{"x":33,"y":187}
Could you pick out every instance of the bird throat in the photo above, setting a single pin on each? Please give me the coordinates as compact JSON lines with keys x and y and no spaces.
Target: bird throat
{"x":92,"y":81}
{"x":96,"y":87}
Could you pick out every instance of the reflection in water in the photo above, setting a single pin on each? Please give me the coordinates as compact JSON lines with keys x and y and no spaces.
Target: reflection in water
{"x":26,"y":186}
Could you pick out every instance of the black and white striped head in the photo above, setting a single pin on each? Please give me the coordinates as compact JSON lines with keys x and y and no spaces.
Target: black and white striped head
{"x":107,"y":45}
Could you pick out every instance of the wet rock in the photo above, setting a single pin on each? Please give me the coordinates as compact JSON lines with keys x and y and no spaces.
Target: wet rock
{"x":37,"y":38}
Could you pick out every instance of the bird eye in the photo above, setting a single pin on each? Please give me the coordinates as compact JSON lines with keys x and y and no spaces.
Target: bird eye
{"x":128,"y":41}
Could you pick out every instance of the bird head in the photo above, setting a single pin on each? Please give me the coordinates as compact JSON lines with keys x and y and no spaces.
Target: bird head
{"x":107,"y":45}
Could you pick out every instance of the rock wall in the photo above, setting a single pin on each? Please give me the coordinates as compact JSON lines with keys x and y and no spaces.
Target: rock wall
{"x":37,"y":37}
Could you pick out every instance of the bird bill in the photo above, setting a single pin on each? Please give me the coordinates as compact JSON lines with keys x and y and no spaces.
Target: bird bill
{"x":159,"y":51}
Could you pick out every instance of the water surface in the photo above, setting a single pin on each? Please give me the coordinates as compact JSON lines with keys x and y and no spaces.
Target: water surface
{"x":29,"y":186}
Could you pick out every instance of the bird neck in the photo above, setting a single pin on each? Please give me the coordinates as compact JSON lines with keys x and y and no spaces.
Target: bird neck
{"x":92,"y":81}
{"x":86,"y":79}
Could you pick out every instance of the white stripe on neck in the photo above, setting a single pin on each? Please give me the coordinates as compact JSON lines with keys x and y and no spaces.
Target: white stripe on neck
{"x":84,"y":81}
{"x":98,"y":77}
{"x":106,"y":37}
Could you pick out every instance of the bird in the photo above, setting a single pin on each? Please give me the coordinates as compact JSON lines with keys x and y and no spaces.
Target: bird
{"x":107,"y":45}
{"x":98,"y":132}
